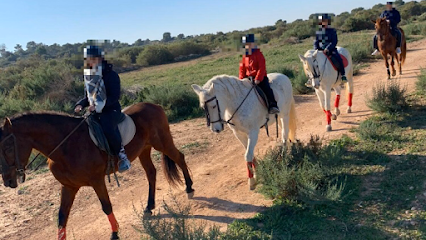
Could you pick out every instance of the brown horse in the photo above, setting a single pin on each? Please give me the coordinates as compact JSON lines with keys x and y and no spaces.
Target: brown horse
{"x":387,"y":45}
{"x":78,"y":162}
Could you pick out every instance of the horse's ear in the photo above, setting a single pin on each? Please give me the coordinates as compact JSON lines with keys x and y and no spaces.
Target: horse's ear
{"x":315,"y":53}
{"x":197,"y":89}
{"x":211,"y":89}
{"x":373,"y":21}
{"x":302,"y":58}
{"x":7,"y":123}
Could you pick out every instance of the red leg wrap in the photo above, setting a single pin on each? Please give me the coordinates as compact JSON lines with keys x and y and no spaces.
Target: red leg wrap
{"x":113,"y":221}
{"x":350,"y":99}
{"x":250,"y":168}
{"x":328,"y":114}
{"x":62,"y":234}
{"x":337,"y":102}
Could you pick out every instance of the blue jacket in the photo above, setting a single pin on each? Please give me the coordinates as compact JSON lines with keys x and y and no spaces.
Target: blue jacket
{"x":113,"y":90}
{"x":326,"y":39}
{"x":393,"y":16}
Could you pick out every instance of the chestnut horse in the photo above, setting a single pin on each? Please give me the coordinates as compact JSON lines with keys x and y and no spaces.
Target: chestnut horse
{"x":387,"y":45}
{"x":78,"y":162}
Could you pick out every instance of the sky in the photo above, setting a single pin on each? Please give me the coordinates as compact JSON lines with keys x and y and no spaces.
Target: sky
{"x":71,"y":21}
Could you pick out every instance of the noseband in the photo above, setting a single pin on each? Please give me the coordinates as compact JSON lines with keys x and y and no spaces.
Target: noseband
{"x":17,"y":165}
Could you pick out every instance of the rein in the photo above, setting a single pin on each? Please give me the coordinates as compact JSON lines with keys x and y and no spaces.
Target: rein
{"x":218,"y":109}
{"x":318,"y":75}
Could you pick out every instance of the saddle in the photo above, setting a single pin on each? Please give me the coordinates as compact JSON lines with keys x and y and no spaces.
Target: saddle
{"x":126,"y":127}
{"x":335,"y":63}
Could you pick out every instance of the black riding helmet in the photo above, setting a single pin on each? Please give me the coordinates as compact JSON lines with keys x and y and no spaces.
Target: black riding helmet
{"x":248,"y":38}
{"x":93,"y":51}
{"x":324,"y":16}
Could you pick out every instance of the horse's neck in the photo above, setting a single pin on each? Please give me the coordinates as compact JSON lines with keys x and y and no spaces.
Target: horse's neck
{"x":230,"y":98}
{"x":43,"y":136}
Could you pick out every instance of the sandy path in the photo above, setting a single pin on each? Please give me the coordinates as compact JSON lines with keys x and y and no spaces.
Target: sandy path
{"x":216,"y":163}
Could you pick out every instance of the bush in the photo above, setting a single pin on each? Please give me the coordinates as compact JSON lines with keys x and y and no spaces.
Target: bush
{"x":353,"y":24}
{"x":415,"y":29}
{"x":298,"y":83}
{"x":360,"y":51}
{"x":421,"y":82}
{"x":187,"y":48}
{"x":389,"y":98}
{"x":296,"y":172}
{"x":178,"y":101}
{"x":300,"y":30}
{"x":154,"y":55}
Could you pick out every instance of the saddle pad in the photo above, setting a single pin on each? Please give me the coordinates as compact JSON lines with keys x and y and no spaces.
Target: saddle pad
{"x":335,"y":64}
{"x":127,"y":130}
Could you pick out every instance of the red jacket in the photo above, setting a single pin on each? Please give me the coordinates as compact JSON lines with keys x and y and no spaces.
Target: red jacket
{"x":253,"y":66}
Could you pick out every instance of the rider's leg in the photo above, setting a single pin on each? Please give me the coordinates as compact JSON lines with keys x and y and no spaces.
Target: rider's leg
{"x":376,"y":51}
{"x":109,"y":121}
{"x":398,"y":40}
{"x":264,"y":85}
{"x":342,"y":67}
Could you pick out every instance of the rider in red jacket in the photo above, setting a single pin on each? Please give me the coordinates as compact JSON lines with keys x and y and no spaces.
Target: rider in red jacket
{"x":253,"y":66}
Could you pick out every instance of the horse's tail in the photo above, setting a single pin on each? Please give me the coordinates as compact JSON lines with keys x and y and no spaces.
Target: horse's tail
{"x":171,"y":171}
{"x":404,"y":46}
{"x":292,"y":122}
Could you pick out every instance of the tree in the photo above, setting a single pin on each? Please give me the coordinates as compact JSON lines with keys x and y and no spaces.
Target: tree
{"x":167,"y":37}
{"x":139,"y":42}
{"x":41,"y":50}
{"x":180,"y":36}
{"x":31,"y":46}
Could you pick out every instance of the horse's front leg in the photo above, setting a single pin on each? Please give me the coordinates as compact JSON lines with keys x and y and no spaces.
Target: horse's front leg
{"x":393,"y":64}
{"x":327,"y":110}
{"x":103,"y":196}
{"x":385,"y":57}
{"x":337,"y":89}
{"x":67,"y":199}
{"x":249,"y":156}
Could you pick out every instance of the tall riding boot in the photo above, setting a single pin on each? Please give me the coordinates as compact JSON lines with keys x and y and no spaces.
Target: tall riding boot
{"x":273,"y":107}
{"x":376,"y":51}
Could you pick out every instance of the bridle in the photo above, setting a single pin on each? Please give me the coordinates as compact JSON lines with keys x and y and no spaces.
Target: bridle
{"x":5,"y":165}
{"x":315,"y":73}
{"x":220,"y":120}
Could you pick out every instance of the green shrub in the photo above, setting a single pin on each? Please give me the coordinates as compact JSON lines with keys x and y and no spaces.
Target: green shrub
{"x":298,"y":83}
{"x":297,"y":172}
{"x":187,"y":48}
{"x":154,"y":55}
{"x":360,"y":51}
{"x":353,"y":24}
{"x":300,"y":30}
{"x":421,"y":82}
{"x":388,"y":98}
{"x":415,"y":29}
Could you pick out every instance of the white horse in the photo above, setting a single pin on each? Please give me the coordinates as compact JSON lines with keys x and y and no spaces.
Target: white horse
{"x":323,"y":78}
{"x":229,"y":100}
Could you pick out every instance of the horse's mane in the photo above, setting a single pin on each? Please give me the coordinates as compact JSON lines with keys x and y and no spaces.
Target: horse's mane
{"x":45,"y":116}
{"x":232,"y":84}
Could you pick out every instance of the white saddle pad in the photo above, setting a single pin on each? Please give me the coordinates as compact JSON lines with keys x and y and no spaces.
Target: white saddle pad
{"x":127,"y":130}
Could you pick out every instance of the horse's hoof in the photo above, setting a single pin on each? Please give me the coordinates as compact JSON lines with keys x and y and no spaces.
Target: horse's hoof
{"x":328,"y":128}
{"x":333,"y":117}
{"x":349,"y":110}
{"x":147,"y":214}
{"x":114,"y":236}
{"x":191,"y":195}
{"x":337,"y":112}
{"x":252,"y":183}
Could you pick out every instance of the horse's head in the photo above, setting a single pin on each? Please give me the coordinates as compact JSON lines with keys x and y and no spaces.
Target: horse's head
{"x":11,"y":166}
{"x":311,"y":68}
{"x":382,"y":26}
{"x":210,"y":104}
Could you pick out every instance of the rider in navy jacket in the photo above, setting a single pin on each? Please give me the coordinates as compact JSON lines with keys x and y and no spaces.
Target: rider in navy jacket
{"x":326,"y":40}
{"x":393,"y":17}
{"x":109,"y":116}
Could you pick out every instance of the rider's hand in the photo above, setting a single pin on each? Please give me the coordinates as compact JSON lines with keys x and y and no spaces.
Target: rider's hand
{"x":92,"y":108}
{"x":257,"y":82}
{"x":326,"y":51}
{"x":78,"y":108}
{"x":388,"y":21}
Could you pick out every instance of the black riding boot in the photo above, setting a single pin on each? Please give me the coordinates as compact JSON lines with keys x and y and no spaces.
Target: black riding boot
{"x":266,"y":88}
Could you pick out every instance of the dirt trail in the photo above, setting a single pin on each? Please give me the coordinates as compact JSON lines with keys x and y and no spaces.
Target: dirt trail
{"x":216,"y":162}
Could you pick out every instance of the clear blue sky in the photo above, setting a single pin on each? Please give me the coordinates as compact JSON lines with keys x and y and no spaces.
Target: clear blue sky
{"x":70,"y":21}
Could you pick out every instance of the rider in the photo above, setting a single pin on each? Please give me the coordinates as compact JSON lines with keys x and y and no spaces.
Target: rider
{"x":253,"y":66}
{"x":326,"y":40}
{"x":102,"y":98}
{"x":393,"y":18}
